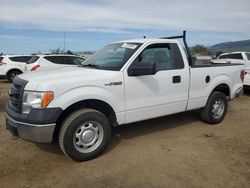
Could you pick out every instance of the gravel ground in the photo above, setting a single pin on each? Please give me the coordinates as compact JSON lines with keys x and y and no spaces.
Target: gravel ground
{"x":173,"y":151}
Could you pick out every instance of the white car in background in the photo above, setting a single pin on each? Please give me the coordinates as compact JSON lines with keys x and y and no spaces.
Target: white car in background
{"x":12,"y":65}
{"x":246,"y":84}
{"x":50,"y":61}
{"x":234,"y":57}
{"x":241,"y":58}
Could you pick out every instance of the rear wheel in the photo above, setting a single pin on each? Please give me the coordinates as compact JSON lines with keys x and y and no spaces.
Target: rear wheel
{"x":84,"y":134}
{"x":215,"y":109}
{"x":12,"y":74}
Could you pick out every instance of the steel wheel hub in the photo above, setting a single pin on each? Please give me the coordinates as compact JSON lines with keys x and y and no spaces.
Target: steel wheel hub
{"x":88,"y":137}
{"x":218,"y":108}
{"x":13,"y":75}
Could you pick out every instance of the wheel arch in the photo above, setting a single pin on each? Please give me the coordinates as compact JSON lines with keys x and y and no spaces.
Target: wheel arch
{"x":13,"y":69}
{"x":96,"y":104}
{"x":223,"y":88}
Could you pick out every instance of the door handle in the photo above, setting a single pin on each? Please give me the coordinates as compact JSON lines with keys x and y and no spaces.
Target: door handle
{"x":176,"y":79}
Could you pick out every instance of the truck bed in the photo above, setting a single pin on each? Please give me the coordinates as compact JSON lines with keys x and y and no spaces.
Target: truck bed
{"x":215,"y":65}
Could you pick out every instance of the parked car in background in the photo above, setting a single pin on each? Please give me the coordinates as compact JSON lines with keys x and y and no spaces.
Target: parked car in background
{"x":234,"y":57}
{"x":238,"y":57}
{"x":12,"y":65}
{"x":50,"y":61}
{"x":246,"y":83}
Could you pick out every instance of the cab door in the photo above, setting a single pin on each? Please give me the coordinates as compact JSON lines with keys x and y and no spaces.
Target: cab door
{"x":165,"y":92}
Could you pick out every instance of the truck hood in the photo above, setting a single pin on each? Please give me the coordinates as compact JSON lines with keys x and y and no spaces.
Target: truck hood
{"x":68,"y":76}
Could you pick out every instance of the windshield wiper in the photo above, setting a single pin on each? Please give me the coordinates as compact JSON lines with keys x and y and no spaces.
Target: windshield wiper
{"x":89,"y":65}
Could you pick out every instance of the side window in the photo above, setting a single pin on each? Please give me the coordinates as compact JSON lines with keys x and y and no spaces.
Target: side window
{"x":51,"y":58}
{"x":231,"y":56}
{"x":77,"y":60}
{"x":26,"y":58}
{"x":165,"y":56}
{"x":223,"y":57}
{"x":236,"y":56}
{"x":60,"y":60}
{"x":68,"y":60}
{"x":13,"y":58}
{"x":65,"y":60}
{"x":22,"y":59}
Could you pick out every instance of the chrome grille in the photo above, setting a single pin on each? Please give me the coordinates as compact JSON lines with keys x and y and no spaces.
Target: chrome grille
{"x":16,"y":93}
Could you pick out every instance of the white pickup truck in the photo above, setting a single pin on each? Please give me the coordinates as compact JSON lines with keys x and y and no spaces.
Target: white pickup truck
{"x":237,"y":57}
{"x":234,"y":57}
{"x":125,"y":82}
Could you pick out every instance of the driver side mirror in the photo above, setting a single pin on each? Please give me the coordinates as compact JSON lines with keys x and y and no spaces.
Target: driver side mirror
{"x":142,"y":68}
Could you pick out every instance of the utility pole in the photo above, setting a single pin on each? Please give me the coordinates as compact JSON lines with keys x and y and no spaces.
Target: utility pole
{"x":64,"y":37}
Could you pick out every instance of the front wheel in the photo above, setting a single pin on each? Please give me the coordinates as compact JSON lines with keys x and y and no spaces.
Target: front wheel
{"x":215,"y":109}
{"x":12,"y":74}
{"x":84,"y":134}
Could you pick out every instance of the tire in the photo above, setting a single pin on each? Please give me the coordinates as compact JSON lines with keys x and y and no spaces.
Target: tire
{"x":12,"y":74}
{"x":84,"y":134}
{"x":246,"y":90}
{"x":215,"y":109}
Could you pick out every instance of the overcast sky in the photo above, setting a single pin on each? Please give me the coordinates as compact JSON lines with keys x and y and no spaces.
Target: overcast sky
{"x":32,"y":25}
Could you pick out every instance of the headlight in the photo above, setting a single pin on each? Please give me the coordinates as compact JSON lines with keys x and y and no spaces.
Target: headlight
{"x":38,"y":100}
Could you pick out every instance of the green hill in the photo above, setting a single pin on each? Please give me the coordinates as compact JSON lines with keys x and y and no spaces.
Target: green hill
{"x":243,"y":45}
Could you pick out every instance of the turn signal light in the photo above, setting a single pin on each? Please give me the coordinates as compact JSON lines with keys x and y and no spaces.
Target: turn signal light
{"x":47,"y":98}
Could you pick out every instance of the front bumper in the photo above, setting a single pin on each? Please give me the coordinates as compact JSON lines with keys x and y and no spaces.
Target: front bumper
{"x":32,"y":132}
{"x":37,"y":126}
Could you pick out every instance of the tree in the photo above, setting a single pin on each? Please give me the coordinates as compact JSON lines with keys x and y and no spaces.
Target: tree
{"x":56,"y":51}
{"x":69,"y":52}
{"x":59,"y":51}
{"x":200,"y":50}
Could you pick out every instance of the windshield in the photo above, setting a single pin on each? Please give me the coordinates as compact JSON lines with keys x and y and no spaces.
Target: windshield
{"x":112,"y":57}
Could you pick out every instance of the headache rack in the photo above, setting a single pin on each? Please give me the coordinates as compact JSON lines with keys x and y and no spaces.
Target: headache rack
{"x":183,"y":36}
